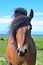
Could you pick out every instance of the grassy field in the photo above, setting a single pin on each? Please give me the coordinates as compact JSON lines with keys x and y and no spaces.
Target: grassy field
{"x":39,"y":45}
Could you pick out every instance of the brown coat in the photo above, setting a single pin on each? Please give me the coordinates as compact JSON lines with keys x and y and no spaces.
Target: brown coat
{"x":13,"y":57}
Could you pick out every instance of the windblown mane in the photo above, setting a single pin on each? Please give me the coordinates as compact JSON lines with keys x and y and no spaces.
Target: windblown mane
{"x":20,"y":11}
{"x":20,"y":20}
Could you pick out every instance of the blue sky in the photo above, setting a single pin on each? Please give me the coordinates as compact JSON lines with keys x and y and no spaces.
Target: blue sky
{"x":7,"y":8}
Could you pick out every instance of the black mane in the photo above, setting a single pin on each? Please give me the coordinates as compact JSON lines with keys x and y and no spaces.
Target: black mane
{"x":19,"y":21}
{"x":20,"y":11}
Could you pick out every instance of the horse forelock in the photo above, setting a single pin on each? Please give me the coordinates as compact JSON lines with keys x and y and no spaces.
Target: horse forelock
{"x":20,"y":11}
{"x":20,"y":21}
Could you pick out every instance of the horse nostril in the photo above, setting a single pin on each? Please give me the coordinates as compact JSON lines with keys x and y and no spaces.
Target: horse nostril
{"x":25,"y":50}
{"x":21,"y":53}
{"x":18,"y":50}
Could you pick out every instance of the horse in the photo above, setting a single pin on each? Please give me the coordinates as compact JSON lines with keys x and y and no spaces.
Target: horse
{"x":1,"y":38}
{"x":21,"y":49}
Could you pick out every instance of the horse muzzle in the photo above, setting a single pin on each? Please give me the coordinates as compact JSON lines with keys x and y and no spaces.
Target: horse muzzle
{"x":22,"y":53}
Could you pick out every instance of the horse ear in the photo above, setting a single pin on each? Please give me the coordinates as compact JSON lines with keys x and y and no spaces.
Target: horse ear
{"x":31,"y":14}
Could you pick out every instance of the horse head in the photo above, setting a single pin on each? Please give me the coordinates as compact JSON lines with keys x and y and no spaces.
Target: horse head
{"x":21,"y":30}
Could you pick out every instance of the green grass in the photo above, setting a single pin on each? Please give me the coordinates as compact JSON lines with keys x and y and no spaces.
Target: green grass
{"x":39,"y":58}
{"x":3,"y":45}
{"x":38,"y":41}
{"x":39,"y":45}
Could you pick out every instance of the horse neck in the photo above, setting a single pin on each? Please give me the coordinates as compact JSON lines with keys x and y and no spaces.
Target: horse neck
{"x":29,"y":33}
{"x":29,"y":36}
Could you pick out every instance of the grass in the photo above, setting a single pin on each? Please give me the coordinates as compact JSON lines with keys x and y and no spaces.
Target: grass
{"x":39,"y":45}
{"x":3,"y":45}
{"x":39,"y":42}
{"x":39,"y":58}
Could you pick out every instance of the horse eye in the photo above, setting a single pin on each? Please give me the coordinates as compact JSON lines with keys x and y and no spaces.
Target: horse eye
{"x":16,"y":31}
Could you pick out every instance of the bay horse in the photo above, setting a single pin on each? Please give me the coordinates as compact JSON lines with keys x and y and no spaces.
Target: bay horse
{"x":21,"y":49}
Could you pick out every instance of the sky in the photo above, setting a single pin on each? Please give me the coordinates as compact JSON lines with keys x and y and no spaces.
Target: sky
{"x":7,"y":8}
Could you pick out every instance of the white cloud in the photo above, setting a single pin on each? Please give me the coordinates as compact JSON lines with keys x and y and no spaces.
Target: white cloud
{"x":5,"y":19}
{"x":37,"y":25}
{"x":38,"y":13}
{"x":5,"y":24}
